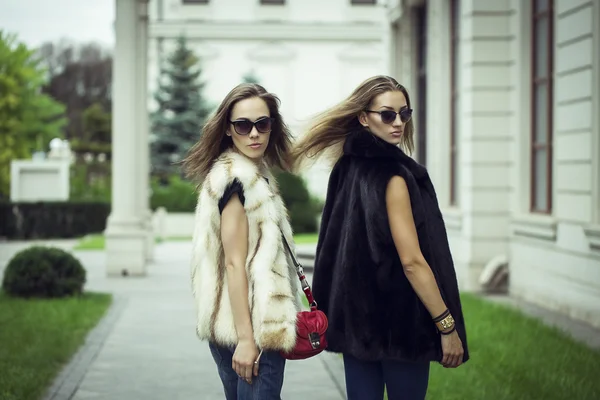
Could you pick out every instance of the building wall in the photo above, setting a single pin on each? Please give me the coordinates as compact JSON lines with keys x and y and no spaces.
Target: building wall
{"x":554,"y":259}
{"x":310,"y":53}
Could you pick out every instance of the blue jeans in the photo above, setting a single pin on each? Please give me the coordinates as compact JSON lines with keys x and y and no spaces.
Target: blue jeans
{"x":266,"y":386}
{"x":365,"y":380}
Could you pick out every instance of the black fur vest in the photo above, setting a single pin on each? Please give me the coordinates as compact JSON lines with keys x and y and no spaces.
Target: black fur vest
{"x":359,"y":281}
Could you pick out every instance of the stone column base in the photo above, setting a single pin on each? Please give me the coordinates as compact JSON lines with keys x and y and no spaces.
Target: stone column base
{"x":126,"y":251}
{"x":150,"y":239}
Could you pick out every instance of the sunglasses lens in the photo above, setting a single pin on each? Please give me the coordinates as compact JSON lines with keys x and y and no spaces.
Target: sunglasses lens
{"x":387,"y":117}
{"x":405,"y":115}
{"x":263,"y":125}
{"x":242,"y":127}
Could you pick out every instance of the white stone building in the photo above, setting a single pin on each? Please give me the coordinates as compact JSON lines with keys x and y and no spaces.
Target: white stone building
{"x":507,"y":102}
{"x":311,"y":53}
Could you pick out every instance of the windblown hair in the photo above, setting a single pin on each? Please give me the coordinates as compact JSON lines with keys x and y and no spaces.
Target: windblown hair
{"x":328,"y":132}
{"x":214,"y":141}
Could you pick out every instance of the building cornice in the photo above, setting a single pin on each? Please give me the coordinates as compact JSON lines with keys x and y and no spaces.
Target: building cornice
{"x":240,"y":30}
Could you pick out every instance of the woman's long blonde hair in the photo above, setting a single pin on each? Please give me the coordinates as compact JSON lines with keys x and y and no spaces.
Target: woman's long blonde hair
{"x":214,"y":141}
{"x":327,"y":133}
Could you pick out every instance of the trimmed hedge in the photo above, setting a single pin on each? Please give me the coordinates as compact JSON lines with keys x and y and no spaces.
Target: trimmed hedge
{"x":52,"y":220}
{"x":41,"y":271}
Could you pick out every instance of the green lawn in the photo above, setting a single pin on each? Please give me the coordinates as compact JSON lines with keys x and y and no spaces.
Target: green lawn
{"x":515,"y":357}
{"x":90,"y":242}
{"x":306,"y":238}
{"x":38,"y":337}
{"x":96,"y":241}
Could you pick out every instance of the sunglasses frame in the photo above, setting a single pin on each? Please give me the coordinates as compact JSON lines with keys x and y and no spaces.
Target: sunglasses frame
{"x":409,"y":110}
{"x":253,"y":123}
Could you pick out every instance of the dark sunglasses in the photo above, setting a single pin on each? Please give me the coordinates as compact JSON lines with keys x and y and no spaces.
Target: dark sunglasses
{"x":388,"y":116}
{"x":244,"y":126}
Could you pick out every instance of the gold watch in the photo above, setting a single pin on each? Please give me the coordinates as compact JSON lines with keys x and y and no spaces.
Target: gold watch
{"x":445,"y":323}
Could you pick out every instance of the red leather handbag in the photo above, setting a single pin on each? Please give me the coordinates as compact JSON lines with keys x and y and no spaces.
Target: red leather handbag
{"x":311,"y":326}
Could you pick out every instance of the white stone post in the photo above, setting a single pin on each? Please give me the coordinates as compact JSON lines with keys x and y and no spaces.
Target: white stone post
{"x":144,"y":150}
{"x":125,"y":233}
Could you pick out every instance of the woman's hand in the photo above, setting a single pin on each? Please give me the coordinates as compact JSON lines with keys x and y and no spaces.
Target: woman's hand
{"x":452,"y":349}
{"x":243,"y":360}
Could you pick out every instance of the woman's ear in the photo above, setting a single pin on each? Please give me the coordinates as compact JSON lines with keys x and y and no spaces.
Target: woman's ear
{"x":362,"y":118}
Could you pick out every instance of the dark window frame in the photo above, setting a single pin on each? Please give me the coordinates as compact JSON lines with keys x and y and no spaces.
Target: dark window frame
{"x":454,"y":98}
{"x":194,"y":1}
{"x":536,"y":82}
{"x":272,"y":2}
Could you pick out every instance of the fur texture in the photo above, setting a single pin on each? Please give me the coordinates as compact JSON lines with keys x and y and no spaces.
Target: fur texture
{"x":373,"y":311}
{"x":273,"y":288}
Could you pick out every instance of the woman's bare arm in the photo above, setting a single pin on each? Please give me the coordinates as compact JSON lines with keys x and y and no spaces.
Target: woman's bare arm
{"x":405,"y":237}
{"x":234,"y":236}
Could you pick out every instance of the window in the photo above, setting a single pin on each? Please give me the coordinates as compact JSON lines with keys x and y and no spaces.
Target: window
{"x":355,"y":2}
{"x":274,"y":2}
{"x":454,"y":100}
{"x":421,"y":59}
{"x":542,"y":69}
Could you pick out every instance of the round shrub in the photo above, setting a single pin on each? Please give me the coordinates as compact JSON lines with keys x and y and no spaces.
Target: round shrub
{"x":43,"y":272}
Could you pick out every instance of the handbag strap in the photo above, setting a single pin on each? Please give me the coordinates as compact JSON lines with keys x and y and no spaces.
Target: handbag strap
{"x":300,"y":271}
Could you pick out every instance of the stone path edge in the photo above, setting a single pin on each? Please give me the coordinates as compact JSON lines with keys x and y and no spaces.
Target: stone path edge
{"x":67,"y":382}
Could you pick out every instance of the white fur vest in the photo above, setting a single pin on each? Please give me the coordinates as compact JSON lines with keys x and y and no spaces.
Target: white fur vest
{"x":273,"y":286}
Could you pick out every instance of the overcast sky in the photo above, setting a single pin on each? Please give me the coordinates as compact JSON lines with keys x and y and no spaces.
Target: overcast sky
{"x":38,"y":21}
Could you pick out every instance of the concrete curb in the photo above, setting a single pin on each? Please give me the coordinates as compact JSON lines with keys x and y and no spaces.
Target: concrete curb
{"x":65,"y":385}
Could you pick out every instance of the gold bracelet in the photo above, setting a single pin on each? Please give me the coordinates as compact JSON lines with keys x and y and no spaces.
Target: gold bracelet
{"x":445,"y":324}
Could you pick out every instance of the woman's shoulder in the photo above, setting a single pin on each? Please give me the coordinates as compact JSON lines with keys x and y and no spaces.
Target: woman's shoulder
{"x":231,"y":169}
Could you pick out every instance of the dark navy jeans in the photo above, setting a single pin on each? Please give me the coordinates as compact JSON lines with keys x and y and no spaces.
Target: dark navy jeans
{"x":266,"y":386}
{"x":365,"y":380}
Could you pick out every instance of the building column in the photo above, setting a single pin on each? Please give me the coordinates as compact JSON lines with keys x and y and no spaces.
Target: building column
{"x":125,"y":234}
{"x":485,"y":87}
{"x":144,"y":144}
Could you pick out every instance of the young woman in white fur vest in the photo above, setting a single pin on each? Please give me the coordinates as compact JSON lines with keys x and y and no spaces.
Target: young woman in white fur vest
{"x":246,"y":292}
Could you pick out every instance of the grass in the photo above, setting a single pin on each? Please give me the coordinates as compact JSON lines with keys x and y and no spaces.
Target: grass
{"x":90,"y":242}
{"x":306,"y":238}
{"x":516,"y":357}
{"x":97,"y":242}
{"x":39,"y":336}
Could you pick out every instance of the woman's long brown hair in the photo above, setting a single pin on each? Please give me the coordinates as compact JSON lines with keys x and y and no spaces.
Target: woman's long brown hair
{"x":214,"y":141}
{"x":328,"y":132}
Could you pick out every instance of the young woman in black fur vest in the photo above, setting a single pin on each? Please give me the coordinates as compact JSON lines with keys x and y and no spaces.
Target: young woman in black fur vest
{"x":384,"y":274}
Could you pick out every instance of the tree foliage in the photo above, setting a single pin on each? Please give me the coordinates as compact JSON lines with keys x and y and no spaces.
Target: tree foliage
{"x":80,"y":76}
{"x":250,"y":77}
{"x":181,"y":111}
{"x":29,"y":119}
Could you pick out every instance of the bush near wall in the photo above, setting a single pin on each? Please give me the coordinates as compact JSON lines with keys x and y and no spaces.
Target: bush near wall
{"x":177,"y":195}
{"x":52,"y":220}
{"x":302,"y":208}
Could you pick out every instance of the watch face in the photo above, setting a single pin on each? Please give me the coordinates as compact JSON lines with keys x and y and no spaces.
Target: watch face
{"x":447,"y":322}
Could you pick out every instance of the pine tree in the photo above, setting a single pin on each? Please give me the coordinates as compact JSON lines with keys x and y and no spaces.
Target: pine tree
{"x":182,"y":110}
{"x":250,"y":77}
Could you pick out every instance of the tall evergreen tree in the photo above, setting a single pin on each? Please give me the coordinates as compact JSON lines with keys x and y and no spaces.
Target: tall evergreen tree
{"x":250,"y":77}
{"x":181,"y":112}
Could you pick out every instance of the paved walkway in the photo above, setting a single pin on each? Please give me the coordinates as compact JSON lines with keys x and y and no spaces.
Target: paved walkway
{"x":146,"y":347}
